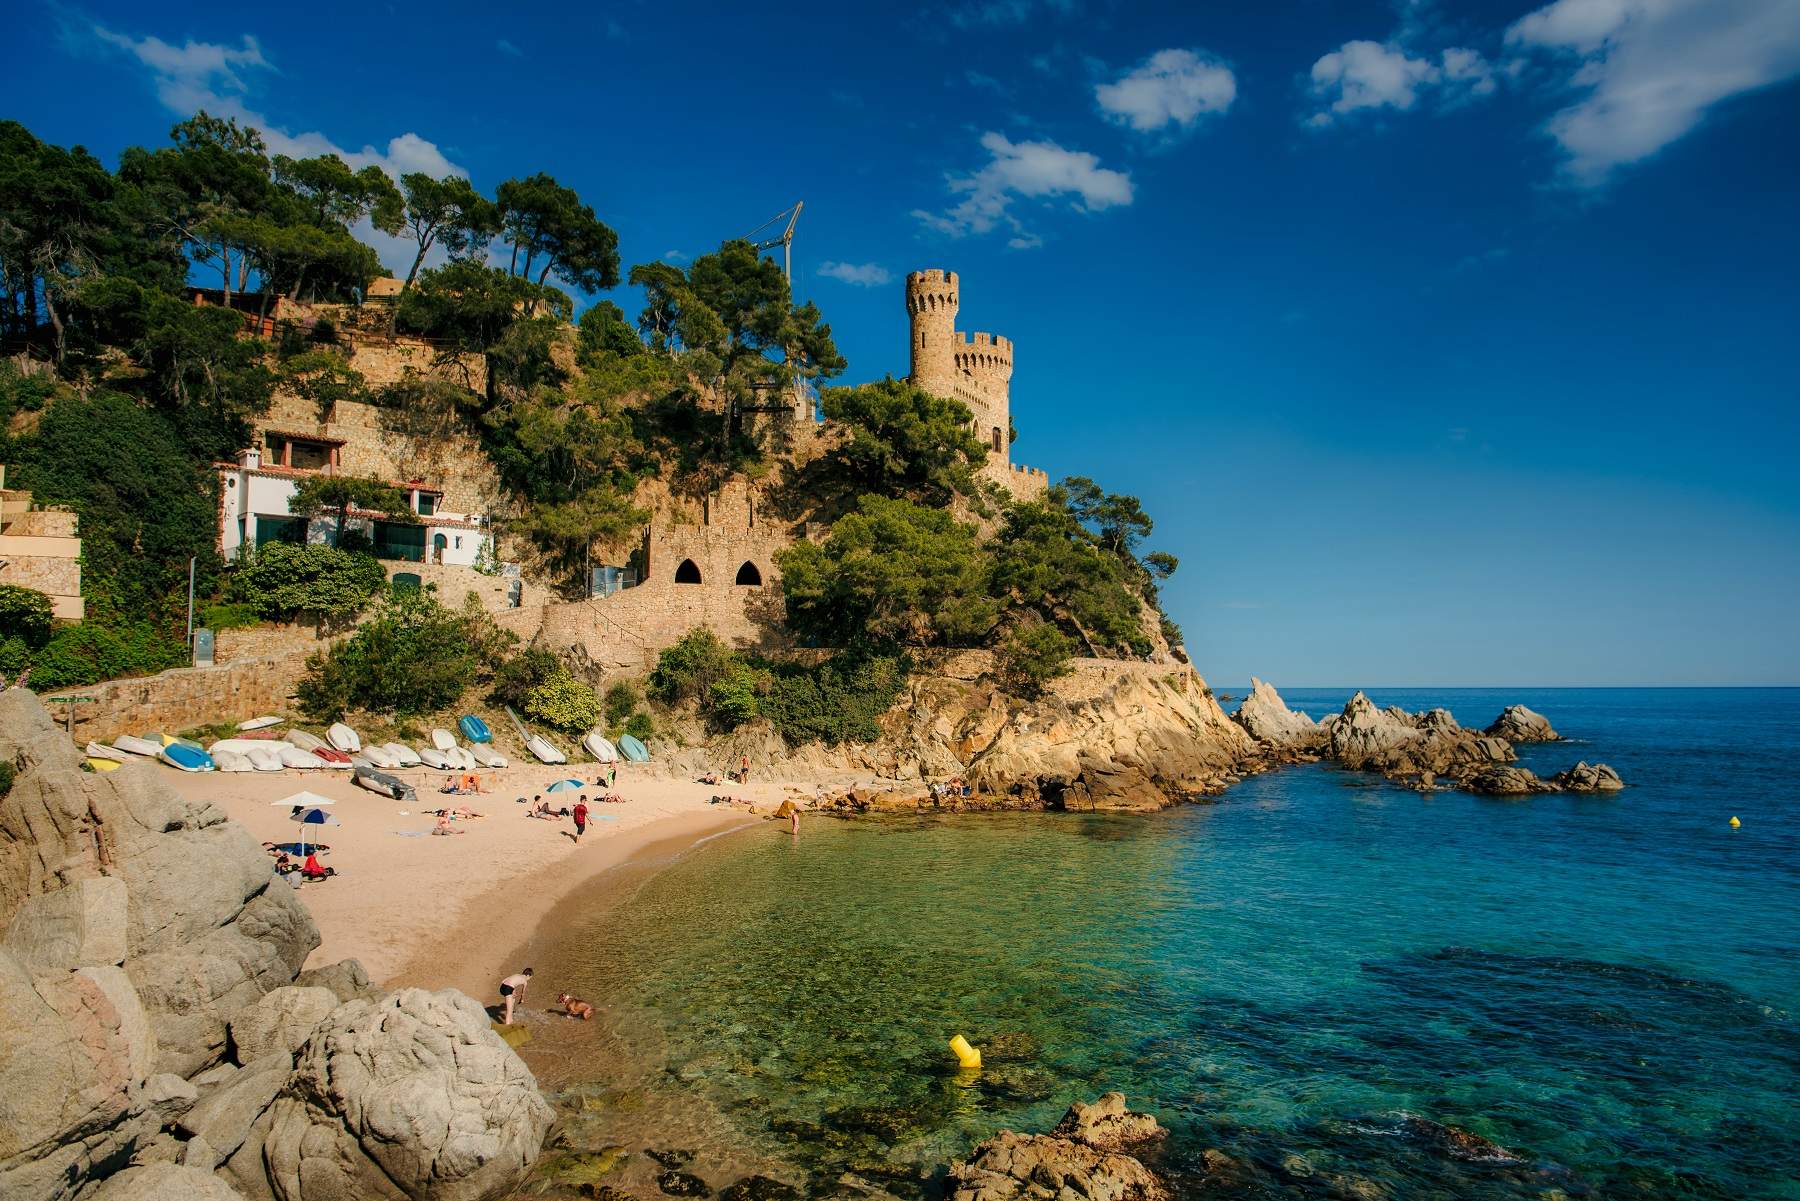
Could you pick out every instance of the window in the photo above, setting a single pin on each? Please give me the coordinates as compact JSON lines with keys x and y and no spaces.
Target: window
{"x":407,"y":579}
{"x":687,"y":573}
{"x":298,"y":452}
{"x":427,"y":504}
{"x":458,"y":541}
{"x":438,"y":543}
{"x":396,"y":541}
{"x":997,"y":444}
{"x":280,"y":529}
{"x":749,"y":576}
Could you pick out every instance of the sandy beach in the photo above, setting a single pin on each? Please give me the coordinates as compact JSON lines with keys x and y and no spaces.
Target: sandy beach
{"x":437,"y":912}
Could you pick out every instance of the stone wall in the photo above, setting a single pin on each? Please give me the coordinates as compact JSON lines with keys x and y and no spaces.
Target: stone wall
{"x":456,"y":583}
{"x":185,"y":697}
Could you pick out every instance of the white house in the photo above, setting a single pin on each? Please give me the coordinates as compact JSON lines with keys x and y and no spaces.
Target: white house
{"x":254,"y":509}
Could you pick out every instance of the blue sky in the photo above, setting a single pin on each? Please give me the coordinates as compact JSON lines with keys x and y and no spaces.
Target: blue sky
{"x":1448,"y":344}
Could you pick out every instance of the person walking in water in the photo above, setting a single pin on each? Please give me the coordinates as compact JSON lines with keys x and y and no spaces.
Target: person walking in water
{"x":512,"y":990}
{"x":580,"y":814}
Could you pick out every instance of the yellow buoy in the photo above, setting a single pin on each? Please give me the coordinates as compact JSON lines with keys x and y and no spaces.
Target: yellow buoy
{"x":966,"y":1056}
{"x":1735,"y":823}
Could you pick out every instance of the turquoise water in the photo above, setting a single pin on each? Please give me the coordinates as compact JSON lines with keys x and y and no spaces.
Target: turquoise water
{"x":1605,"y":987}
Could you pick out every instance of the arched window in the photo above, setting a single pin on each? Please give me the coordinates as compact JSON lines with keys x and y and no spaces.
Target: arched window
{"x":687,"y":573}
{"x":997,"y":445}
{"x":749,"y":576}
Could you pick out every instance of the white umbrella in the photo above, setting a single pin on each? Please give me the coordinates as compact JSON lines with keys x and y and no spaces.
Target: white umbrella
{"x":304,"y":800}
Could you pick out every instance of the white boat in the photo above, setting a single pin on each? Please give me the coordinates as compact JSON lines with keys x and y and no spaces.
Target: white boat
{"x":378,"y":757}
{"x":231,"y":760}
{"x":344,"y":738}
{"x":132,"y":744}
{"x":96,"y":751}
{"x":434,"y":758}
{"x":443,"y":739}
{"x":305,"y":741}
{"x":469,"y":762}
{"x":486,"y":756}
{"x":241,"y":746}
{"x":402,"y":754}
{"x":266,"y":758}
{"x":293,"y":756}
{"x":600,"y":747}
{"x":260,"y":723}
{"x":541,"y":747}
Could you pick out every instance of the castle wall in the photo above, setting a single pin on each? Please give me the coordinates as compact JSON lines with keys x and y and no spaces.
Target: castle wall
{"x":976,"y":370}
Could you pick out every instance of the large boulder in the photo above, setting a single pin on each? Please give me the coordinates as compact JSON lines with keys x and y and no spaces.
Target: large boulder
{"x":1080,"y":1160}
{"x":1516,"y":723}
{"x":1588,"y":777}
{"x":1268,"y":719}
{"x":279,"y":1021}
{"x":163,"y":1182}
{"x":72,"y":927}
{"x":413,"y":1095}
{"x":347,"y":979}
{"x":225,"y":1117}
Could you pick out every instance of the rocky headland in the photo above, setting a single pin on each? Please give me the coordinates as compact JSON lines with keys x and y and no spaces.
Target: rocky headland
{"x":159,"y":1041}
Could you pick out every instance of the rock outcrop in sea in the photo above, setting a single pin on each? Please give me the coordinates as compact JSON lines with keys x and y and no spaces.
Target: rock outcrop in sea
{"x":1088,"y":1157}
{"x":153,"y":1042}
{"x":1422,"y":750}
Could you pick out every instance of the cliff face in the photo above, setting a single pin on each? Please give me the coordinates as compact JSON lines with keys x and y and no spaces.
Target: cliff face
{"x":1113,"y":736}
{"x":148,"y":1019}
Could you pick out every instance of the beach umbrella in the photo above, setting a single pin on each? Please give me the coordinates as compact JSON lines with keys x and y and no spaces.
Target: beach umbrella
{"x":304,"y":800}
{"x":312,"y":817}
{"x":566,"y":785}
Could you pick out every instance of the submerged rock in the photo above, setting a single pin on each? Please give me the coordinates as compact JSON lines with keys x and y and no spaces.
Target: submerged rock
{"x":1516,"y":723}
{"x":1457,"y":1143}
{"x":1064,"y":1164}
{"x":682,"y":1184}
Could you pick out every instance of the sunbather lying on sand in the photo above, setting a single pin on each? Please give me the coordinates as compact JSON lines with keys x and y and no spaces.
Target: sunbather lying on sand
{"x":443,"y":824}
{"x":710,"y":779}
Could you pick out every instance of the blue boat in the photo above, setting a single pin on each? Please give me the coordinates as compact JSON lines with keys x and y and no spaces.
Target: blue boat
{"x":474,"y":729}
{"x":633,"y":750}
{"x":186,"y":758}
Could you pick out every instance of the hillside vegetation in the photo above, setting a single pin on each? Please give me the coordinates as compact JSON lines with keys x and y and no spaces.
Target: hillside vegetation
{"x":122,"y":393}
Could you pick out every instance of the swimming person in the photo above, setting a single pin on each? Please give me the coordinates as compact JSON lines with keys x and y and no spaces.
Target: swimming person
{"x":580,"y":815}
{"x":513,"y":989}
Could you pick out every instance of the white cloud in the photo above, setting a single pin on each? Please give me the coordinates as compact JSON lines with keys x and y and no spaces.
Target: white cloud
{"x":1363,"y":74}
{"x":205,"y":75}
{"x":862,"y":275}
{"x":1652,"y":68}
{"x":1032,"y":170}
{"x":1171,"y":87}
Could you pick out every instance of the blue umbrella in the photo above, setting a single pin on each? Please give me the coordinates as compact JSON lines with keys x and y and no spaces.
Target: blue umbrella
{"x":565,"y":785}
{"x":313,"y":817}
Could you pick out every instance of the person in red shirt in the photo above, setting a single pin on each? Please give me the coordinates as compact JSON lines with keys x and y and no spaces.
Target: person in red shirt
{"x":580,"y":814}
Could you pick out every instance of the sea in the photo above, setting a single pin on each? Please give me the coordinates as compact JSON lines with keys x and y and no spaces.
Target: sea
{"x":1329,"y":979}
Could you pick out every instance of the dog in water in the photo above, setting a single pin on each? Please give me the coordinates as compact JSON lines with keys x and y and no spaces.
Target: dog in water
{"x":575,"y":1007}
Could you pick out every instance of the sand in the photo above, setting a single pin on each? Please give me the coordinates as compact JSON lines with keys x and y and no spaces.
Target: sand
{"x":450,"y":912}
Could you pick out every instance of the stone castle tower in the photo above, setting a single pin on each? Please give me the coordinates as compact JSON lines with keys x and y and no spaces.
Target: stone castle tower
{"x":949,"y":363}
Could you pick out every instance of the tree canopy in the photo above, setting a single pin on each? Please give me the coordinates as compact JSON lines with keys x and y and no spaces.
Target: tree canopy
{"x":335,"y":495}
{"x":902,"y":441}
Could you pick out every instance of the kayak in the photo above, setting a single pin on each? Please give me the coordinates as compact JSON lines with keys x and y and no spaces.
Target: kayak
{"x":332,"y":757}
{"x":443,"y":739}
{"x":260,"y":723}
{"x":474,"y":729}
{"x":133,"y":745}
{"x":343,"y":737}
{"x":633,"y":750}
{"x":186,"y":758}
{"x":598,"y":746}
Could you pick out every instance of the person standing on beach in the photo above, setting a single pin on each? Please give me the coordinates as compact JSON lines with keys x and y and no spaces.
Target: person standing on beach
{"x":512,"y":989}
{"x":580,"y":815}
{"x":743,"y":769}
{"x":612,"y":775}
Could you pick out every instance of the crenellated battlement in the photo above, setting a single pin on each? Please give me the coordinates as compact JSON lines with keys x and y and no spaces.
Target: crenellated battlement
{"x":975,"y":368}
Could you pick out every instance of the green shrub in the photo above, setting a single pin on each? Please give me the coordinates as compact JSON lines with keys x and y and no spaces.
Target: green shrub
{"x":732,"y":701}
{"x":689,"y":669}
{"x":92,"y":651}
{"x":412,"y":656}
{"x":523,"y":672}
{"x":622,"y":700}
{"x":25,"y":614}
{"x":839,"y":700}
{"x":284,"y":579}
{"x":641,"y":726}
{"x":1031,"y":656}
{"x":229,"y":615}
{"x":563,"y":703}
{"x":15,"y":656}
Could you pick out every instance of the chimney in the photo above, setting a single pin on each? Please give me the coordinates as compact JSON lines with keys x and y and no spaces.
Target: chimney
{"x":250,"y":457}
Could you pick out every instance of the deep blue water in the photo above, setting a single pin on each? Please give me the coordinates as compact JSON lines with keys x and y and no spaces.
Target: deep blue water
{"x":1303,"y":974}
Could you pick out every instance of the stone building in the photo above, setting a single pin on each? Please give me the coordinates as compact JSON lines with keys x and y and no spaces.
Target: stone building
{"x":40,"y":550}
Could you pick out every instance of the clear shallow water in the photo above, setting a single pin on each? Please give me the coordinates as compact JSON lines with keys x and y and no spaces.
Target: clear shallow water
{"x":1606,"y":987}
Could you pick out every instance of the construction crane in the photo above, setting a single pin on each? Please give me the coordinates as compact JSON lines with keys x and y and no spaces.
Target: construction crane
{"x":785,"y":239}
